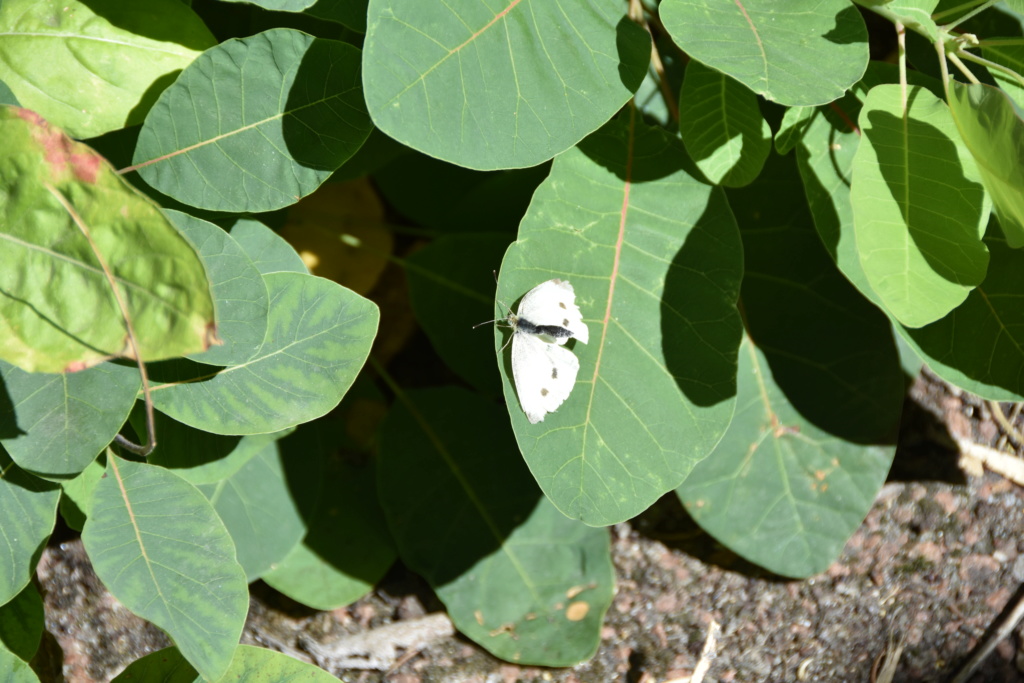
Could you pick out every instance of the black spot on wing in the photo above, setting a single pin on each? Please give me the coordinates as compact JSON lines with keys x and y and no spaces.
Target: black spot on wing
{"x":543,"y":391}
{"x":565,"y":322}
{"x":561,"y":304}
{"x":554,"y":372}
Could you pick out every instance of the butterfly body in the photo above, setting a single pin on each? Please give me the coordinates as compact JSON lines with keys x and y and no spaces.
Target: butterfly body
{"x":544,"y":370}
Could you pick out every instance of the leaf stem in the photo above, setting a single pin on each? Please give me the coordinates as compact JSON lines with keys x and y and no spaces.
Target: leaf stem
{"x":989,"y":64}
{"x":953,"y":57}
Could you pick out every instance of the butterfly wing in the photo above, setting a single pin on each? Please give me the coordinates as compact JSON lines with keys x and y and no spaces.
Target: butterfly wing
{"x":544,"y":373}
{"x":554,"y":303}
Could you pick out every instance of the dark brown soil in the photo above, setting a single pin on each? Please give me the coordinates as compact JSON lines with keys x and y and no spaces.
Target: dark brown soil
{"x":933,"y":566}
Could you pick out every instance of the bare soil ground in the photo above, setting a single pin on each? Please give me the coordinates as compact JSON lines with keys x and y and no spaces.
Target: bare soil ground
{"x":937,"y":561}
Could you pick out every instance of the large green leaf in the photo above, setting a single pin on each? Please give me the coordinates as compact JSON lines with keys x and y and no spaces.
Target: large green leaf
{"x":796,"y":52}
{"x":991,"y":127}
{"x":979,"y":346}
{"x":503,"y":85}
{"x":239,"y":293}
{"x":826,"y":139}
{"x":318,"y":338}
{"x":28,"y":508}
{"x":161,"y":549}
{"x":57,"y":310}
{"x":778,"y":490}
{"x":58,"y":424}
{"x":655,"y":258}
{"x":519,"y":578}
{"x":255,"y":123}
{"x":919,"y":210}
{"x":722,"y":127}
{"x":95,"y":66}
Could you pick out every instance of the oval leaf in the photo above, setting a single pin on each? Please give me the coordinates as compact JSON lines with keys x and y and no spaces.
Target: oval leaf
{"x":722,"y":127}
{"x":289,"y":111}
{"x":520,"y":579}
{"x":798,"y":53}
{"x":318,"y":337}
{"x":239,"y":293}
{"x":60,"y":423}
{"x":919,"y":210}
{"x":97,"y":66}
{"x":507,"y":85}
{"x":161,"y":549}
{"x":64,"y":204}
{"x":778,"y":490}
{"x":656,"y":261}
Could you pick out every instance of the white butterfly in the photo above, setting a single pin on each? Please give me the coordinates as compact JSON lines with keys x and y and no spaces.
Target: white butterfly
{"x":544,"y":370}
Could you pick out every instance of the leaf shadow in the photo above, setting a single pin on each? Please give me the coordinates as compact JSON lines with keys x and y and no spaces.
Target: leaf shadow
{"x":700,"y":328}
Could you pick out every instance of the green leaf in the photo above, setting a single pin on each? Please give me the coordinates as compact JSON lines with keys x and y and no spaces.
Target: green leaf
{"x":778,"y":490}
{"x":269,"y":252}
{"x":722,"y":127}
{"x":16,"y":669}
{"x":97,"y":66}
{"x":979,"y":346}
{"x":318,"y":338}
{"x":499,"y":86}
{"x":991,"y":128}
{"x":167,"y":666}
{"x":28,"y":507}
{"x":76,"y":494}
{"x":57,"y":311}
{"x":797,"y":53}
{"x":347,"y":549}
{"x":239,"y":293}
{"x":259,"y":505}
{"x":255,"y":123}
{"x":656,"y":261}
{"x":260,"y":664}
{"x":519,"y":578}
{"x":21,"y":623}
{"x":826,"y":139}
{"x":450,"y":294}
{"x":919,"y":210}
{"x":60,"y":423}
{"x":161,"y":549}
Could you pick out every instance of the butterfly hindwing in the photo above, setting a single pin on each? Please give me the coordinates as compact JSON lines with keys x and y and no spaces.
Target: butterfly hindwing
{"x":544,"y":374}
